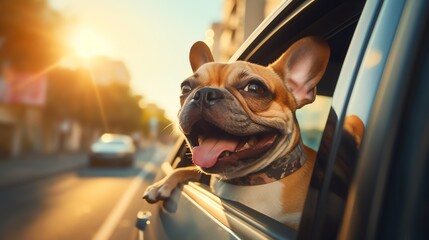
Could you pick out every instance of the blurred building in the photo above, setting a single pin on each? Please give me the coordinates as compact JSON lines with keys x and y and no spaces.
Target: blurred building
{"x":22,"y":95}
{"x":105,"y":71}
{"x":9,"y":131}
{"x":240,"y":19}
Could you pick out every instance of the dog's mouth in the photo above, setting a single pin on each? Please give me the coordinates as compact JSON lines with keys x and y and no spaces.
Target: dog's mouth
{"x":214,"y":149}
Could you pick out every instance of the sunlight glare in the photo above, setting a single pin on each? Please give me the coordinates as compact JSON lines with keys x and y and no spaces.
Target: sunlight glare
{"x":87,"y":43}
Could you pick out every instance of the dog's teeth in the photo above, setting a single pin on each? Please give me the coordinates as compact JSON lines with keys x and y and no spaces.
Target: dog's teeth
{"x":252,"y":141}
{"x":200,"y":140}
{"x":246,"y":146}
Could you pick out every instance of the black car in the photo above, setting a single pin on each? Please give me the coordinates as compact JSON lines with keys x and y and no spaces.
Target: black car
{"x":379,"y":72}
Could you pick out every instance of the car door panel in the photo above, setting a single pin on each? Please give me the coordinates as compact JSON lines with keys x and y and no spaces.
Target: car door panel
{"x":194,"y":212}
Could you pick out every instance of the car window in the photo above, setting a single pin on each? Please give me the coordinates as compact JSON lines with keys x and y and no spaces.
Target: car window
{"x":338,"y":32}
{"x":312,"y":119}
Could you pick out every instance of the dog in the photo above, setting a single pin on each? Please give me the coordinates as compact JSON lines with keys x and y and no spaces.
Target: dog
{"x":239,"y":121}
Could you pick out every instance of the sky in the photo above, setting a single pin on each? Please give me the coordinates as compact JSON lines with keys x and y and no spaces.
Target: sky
{"x":152,"y":38}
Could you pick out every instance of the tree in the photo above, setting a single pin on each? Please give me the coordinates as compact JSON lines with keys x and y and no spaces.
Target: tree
{"x":30,"y":35}
{"x":72,"y":94}
{"x":61,"y":94}
{"x":164,"y":126}
{"x":121,"y":108}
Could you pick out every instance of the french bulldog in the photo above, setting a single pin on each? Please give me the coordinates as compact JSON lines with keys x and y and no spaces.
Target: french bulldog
{"x":239,"y":121}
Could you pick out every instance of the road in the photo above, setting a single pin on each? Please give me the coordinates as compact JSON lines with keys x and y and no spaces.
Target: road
{"x":89,"y":203}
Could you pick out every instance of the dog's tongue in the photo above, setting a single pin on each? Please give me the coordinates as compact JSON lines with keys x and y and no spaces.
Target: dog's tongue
{"x":206,"y":154}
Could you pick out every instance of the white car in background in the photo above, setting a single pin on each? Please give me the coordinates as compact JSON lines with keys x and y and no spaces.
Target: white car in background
{"x":112,"y":150}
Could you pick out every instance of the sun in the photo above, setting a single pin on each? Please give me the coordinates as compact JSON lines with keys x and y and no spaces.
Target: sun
{"x":87,"y":43}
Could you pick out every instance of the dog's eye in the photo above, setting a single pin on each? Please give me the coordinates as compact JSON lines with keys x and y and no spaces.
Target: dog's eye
{"x":186,"y":88}
{"x":255,"y":87}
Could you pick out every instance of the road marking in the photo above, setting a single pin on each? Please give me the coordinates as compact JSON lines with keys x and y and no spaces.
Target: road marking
{"x":115,"y":215}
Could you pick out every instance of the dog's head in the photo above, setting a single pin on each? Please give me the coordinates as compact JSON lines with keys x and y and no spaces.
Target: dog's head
{"x":239,"y":117}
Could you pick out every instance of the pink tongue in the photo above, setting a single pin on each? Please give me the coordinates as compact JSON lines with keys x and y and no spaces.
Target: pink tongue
{"x":206,"y":154}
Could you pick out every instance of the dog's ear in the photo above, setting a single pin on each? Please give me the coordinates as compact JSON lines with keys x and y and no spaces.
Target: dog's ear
{"x":199,"y":55}
{"x":302,"y":66}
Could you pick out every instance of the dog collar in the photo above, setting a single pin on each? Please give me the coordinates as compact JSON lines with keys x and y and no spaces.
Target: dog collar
{"x":277,"y":170}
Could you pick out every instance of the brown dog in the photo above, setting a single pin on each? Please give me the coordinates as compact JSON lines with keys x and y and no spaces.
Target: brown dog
{"x":239,"y":120}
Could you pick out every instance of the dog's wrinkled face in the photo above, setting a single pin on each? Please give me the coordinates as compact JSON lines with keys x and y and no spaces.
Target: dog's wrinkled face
{"x":239,"y":117}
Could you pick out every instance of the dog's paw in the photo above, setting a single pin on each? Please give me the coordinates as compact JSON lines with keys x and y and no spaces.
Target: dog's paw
{"x":162,"y":189}
{"x":159,"y":191}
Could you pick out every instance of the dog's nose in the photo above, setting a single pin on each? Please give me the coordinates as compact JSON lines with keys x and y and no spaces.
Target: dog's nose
{"x":208,"y":96}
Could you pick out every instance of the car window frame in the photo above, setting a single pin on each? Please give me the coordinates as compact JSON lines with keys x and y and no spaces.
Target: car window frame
{"x":365,"y":40}
{"x":362,"y":216}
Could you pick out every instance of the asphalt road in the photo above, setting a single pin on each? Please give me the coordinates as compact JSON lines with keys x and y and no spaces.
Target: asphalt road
{"x":90,"y":203}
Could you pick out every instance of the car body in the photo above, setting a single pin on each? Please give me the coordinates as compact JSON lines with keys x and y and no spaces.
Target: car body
{"x":112,"y":150}
{"x":378,"y":71}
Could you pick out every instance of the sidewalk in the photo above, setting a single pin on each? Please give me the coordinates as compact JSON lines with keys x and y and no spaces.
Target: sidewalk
{"x":33,"y":166}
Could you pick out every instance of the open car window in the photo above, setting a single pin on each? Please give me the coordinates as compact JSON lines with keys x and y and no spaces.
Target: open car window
{"x":312,"y":120}
{"x":337,"y":26}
